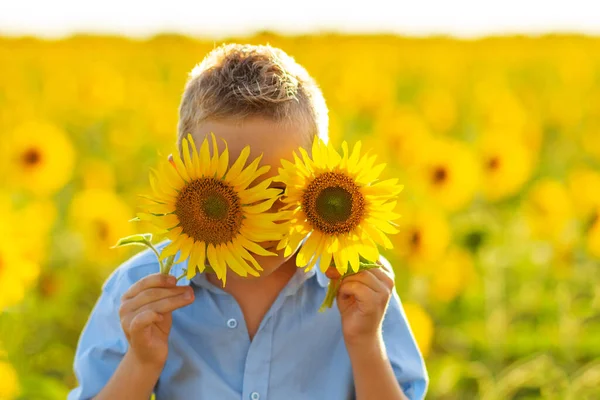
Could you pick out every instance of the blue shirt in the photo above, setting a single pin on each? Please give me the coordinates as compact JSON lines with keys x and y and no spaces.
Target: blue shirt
{"x":297,"y":352}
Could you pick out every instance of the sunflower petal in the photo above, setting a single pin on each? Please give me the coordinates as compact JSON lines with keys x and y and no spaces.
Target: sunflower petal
{"x":238,"y":165}
{"x":204,"y":157}
{"x":307,"y":251}
{"x":223,"y":163}
{"x":211,"y":253}
{"x":187,"y":159}
{"x":254,"y":247}
{"x":325,"y":260}
{"x":172,"y":248}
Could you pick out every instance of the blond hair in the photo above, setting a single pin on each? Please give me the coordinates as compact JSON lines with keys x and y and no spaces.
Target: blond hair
{"x":236,"y":81}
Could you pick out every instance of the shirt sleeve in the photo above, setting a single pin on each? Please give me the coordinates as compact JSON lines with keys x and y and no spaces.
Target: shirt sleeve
{"x":102,"y":343}
{"x":403,"y":352}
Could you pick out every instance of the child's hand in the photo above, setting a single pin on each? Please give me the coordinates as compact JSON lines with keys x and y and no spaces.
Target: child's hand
{"x":362,"y":300}
{"x":146,"y":316}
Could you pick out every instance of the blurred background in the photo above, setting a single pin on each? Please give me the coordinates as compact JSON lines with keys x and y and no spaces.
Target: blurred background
{"x":488,"y":113}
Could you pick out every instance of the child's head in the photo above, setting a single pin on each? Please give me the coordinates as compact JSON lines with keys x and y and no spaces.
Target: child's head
{"x":236,"y":82}
{"x":257,"y":96}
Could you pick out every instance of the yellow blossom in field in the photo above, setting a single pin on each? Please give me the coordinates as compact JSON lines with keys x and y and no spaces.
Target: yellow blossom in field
{"x":584,"y":189}
{"x":16,"y":272}
{"x":38,"y":157}
{"x":421,"y":325}
{"x":9,"y":382}
{"x":439,"y":109}
{"x":593,"y":234}
{"x":101,"y":217}
{"x":405,"y":133}
{"x":451,"y":275}
{"x":97,"y":174}
{"x":449,"y":174}
{"x":506,"y":164}
{"x":548,"y":210}
{"x":423,"y":238}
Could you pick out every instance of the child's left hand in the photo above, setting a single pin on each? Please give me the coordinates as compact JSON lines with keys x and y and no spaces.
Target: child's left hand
{"x":362,"y":300}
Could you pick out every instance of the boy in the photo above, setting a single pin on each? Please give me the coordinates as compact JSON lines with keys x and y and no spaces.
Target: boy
{"x":257,"y":338}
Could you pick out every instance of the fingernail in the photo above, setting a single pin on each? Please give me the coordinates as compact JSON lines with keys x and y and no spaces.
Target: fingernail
{"x":172,"y":280}
{"x":187,"y":295}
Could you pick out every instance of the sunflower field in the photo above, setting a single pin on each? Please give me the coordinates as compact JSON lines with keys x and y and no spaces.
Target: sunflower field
{"x":496,"y":140}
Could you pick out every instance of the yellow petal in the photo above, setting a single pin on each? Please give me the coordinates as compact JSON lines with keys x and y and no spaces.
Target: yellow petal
{"x":339,"y":265}
{"x":369,"y":251}
{"x":333,"y":157}
{"x":223,"y":162}
{"x":211,"y":253}
{"x":370,"y":174}
{"x":180,"y":166}
{"x":186,"y":248}
{"x":245,"y":255}
{"x":187,"y":159}
{"x":254,"y":247}
{"x":261,"y":207}
{"x":325,"y":261}
{"x":379,"y":237}
{"x":238,"y":165}
{"x":308,"y":249}
{"x":172,"y":248}
{"x":260,"y":171}
{"x":232,"y":262}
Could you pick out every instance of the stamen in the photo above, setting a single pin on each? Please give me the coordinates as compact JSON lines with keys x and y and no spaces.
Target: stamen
{"x":333,"y":203}
{"x":209,"y":210}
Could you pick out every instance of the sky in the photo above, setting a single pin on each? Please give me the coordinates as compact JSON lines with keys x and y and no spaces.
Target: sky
{"x":219,"y":18}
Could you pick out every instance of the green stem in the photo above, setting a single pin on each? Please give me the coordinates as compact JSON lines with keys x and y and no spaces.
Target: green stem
{"x":181,"y":276}
{"x":332,"y":290}
{"x":151,"y":246}
{"x":334,"y":284}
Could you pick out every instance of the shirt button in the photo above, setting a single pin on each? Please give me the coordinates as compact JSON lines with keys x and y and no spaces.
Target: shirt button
{"x":254,"y":396}
{"x":232,"y":323}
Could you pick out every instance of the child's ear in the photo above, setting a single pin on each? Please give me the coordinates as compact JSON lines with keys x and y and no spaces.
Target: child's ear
{"x":170,"y":158}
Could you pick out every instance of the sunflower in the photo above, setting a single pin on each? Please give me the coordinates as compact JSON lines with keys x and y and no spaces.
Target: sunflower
{"x":507,"y":164}
{"x":100,"y":218}
{"x":210,"y":212}
{"x":17,"y":273}
{"x":424,"y":238}
{"x":421,"y":325}
{"x":38,"y":157}
{"x":449,"y":173}
{"x":9,"y":384}
{"x":339,"y":204}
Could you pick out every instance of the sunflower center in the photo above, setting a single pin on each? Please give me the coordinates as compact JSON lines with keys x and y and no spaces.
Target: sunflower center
{"x":333,"y":203}
{"x":209,"y":210}
{"x":31,"y":157}
{"x":101,"y":229}
{"x":215,"y":206}
{"x":493,"y":163}
{"x":440,"y":175}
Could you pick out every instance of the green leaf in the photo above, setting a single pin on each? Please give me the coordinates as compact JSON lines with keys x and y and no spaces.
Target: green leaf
{"x":140,"y":239}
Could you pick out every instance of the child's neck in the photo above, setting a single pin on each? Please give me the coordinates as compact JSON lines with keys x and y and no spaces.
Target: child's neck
{"x":255,"y":296}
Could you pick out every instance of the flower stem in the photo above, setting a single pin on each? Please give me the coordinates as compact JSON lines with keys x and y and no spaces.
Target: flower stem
{"x":334,"y":284}
{"x":181,"y":276}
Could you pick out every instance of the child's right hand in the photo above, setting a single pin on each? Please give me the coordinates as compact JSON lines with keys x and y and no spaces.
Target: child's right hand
{"x":146,"y":319}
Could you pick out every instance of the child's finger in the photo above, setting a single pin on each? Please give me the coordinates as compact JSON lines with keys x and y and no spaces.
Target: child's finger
{"x":154,"y":280}
{"x":361,"y":292}
{"x":384,"y":277}
{"x":368,"y":279}
{"x":169,"y":304}
{"x":154,"y":294}
{"x":144,"y":319}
